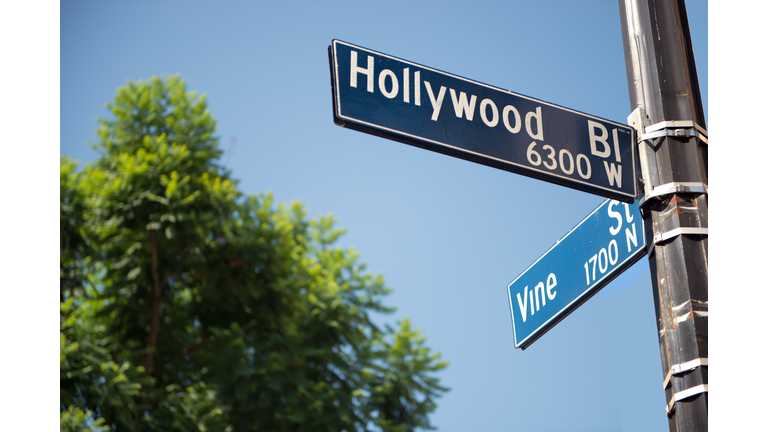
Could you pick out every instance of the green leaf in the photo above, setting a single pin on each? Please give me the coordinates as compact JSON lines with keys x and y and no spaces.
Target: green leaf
{"x":135,"y":272}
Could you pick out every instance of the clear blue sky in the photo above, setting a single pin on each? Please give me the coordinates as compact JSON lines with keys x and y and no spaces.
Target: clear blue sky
{"x":448,"y":235}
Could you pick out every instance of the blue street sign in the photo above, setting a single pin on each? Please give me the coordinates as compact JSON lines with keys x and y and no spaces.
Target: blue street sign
{"x":596,"y":251}
{"x":421,"y":106}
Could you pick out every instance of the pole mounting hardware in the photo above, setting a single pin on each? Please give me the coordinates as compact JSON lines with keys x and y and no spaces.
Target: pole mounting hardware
{"x":662,"y":237}
{"x":684,"y":367}
{"x":675,"y":128}
{"x":685,"y":394}
{"x":673,"y":188}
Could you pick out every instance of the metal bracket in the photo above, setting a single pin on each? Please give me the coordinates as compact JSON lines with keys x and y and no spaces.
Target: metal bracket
{"x":685,"y":394}
{"x":648,"y":170}
{"x":638,"y":120}
{"x":675,"y":187}
{"x":684,"y":367}
{"x":675,"y":128}
{"x":662,"y":237}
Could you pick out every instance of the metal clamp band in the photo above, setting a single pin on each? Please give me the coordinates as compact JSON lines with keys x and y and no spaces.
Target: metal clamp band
{"x":693,"y":391}
{"x":659,"y":238}
{"x":675,"y":187}
{"x":675,"y":128}
{"x":673,"y":133}
{"x":675,"y":124}
{"x":684,"y":367}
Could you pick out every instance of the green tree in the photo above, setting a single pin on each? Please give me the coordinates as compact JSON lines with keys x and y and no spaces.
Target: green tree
{"x":187,"y":305}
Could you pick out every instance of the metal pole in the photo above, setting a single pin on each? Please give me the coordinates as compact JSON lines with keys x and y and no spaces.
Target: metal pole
{"x":666,"y":102}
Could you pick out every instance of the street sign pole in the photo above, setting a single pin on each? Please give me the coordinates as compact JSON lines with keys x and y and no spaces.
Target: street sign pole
{"x":667,"y":112}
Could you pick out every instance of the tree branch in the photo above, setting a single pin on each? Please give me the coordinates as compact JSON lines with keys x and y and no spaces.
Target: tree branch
{"x":156,"y":303}
{"x":74,"y":276}
{"x":194,"y":346}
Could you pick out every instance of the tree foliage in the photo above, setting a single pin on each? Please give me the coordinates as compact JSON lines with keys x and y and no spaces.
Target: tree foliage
{"x":187,"y":305}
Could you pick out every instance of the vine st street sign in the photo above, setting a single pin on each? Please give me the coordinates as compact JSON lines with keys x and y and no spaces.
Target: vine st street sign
{"x":421,"y":106}
{"x":596,"y":251}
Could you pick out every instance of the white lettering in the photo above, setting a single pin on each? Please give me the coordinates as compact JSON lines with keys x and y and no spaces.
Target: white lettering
{"x":593,"y":139}
{"x":365,"y":71}
{"x":461,"y":106}
{"x":494,"y":111}
{"x":538,"y":296}
{"x":580,"y":157}
{"x":523,"y":304}
{"x":613,"y":246}
{"x":533,"y":154}
{"x":632,"y":236}
{"x":539,"y":289}
{"x":551,"y":283}
{"x":417,"y":88}
{"x":616,"y":145}
{"x":615,"y":215}
{"x":602,"y":256}
{"x":593,"y":260}
{"x":551,"y":156}
{"x":406,"y":86}
{"x":383,"y":84}
{"x":539,"y":135}
{"x":630,"y":218}
{"x":586,"y":269}
{"x":614,"y":175}
{"x":436,"y":103}
{"x":505,"y":116}
{"x":568,"y":171}
{"x":531,"y":295}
